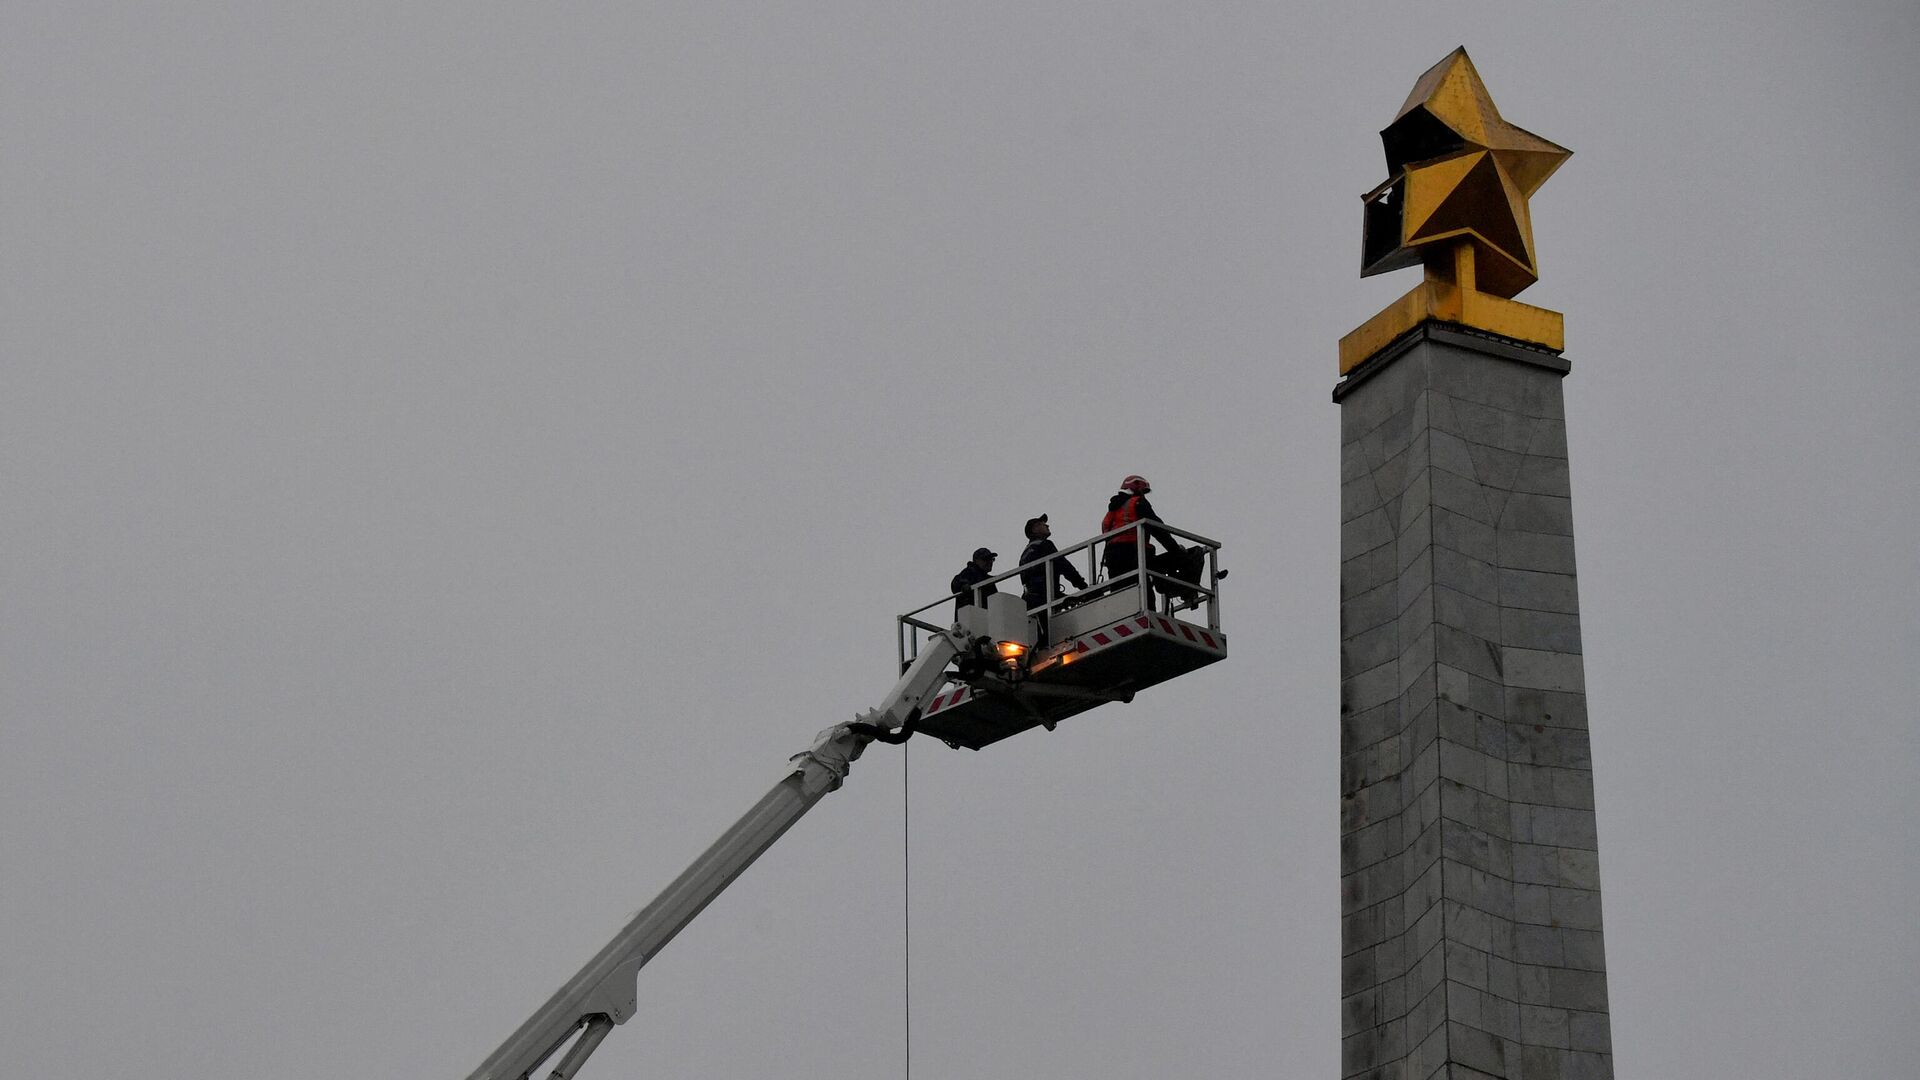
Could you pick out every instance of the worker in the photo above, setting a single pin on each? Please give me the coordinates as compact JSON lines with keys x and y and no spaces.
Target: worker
{"x":1033,"y":579}
{"x":1129,"y":505}
{"x":977,"y":570}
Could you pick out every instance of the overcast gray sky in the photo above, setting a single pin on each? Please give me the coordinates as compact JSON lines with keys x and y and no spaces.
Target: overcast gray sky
{"x":454,"y":454}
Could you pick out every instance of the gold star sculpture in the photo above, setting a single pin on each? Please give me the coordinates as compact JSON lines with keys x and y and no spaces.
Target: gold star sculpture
{"x":1456,"y":202}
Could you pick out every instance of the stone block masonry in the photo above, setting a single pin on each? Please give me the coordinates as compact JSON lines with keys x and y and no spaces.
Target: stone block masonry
{"x":1470,"y":875}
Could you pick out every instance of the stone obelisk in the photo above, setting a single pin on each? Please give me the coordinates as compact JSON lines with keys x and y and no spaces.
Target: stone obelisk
{"x":1470,"y":887}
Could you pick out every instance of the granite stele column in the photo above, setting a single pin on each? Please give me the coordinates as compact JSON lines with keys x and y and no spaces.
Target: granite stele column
{"x":1470,"y":886}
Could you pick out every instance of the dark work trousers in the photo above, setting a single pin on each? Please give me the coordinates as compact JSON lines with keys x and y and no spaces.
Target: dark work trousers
{"x":1039,"y":617}
{"x":1122,"y":559}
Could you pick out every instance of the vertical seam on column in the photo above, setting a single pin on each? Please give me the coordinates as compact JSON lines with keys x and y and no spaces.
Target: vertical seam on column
{"x":1440,"y":822}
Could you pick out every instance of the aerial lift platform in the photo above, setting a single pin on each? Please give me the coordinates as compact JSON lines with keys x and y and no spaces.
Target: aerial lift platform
{"x":1105,"y":643}
{"x":998,"y":670}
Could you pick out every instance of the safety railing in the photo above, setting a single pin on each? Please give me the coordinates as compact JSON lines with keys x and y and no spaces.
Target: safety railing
{"x":1165,"y":593}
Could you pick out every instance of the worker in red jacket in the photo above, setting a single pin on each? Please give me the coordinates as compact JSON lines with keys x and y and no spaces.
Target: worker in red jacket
{"x":1122,"y":554}
{"x":1129,"y":505}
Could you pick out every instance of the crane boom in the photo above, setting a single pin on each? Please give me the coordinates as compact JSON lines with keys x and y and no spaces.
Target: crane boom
{"x":604,"y":993}
{"x":1106,"y":643}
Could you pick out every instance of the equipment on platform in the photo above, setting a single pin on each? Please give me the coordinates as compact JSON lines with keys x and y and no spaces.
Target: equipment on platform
{"x":986,"y":677}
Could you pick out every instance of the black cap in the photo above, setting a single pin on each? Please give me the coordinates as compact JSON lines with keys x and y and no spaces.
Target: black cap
{"x":1031,"y":522}
{"x":983,"y":553}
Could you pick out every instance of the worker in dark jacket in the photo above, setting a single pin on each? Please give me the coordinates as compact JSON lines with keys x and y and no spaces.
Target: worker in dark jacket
{"x":1122,"y":554}
{"x":977,"y":570}
{"x":1033,"y":579}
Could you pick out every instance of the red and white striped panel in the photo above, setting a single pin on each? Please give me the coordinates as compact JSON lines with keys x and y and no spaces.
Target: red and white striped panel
{"x":1158,"y":625}
{"x":946,"y":699}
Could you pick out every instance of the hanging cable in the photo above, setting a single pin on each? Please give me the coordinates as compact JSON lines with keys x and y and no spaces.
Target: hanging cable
{"x":906,"y":905}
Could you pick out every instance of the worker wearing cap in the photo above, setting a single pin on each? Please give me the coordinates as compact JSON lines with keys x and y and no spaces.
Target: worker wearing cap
{"x":977,"y":570}
{"x":1033,"y":579}
{"x":1122,"y":554}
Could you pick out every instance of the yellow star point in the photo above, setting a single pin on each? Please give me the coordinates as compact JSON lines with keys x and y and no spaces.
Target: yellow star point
{"x":1455,"y":201}
{"x":1453,"y":157}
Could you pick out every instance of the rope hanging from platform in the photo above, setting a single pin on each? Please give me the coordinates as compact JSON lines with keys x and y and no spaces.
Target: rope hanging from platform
{"x":906,"y":906}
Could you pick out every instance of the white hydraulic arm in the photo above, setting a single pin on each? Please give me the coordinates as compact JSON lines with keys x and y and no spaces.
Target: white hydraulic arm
{"x":605,"y":991}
